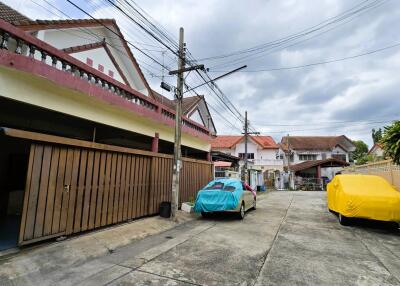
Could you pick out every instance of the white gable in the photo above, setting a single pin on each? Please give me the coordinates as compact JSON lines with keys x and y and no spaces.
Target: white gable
{"x":99,"y":57}
{"x":70,"y":37}
{"x":195,"y":116}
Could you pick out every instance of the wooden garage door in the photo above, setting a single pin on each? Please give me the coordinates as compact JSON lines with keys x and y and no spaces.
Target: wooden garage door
{"x":72,"y":189}
{"x":50,"y":172}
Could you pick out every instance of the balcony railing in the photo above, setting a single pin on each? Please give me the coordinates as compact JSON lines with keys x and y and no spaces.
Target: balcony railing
{"x":268,"y":162}
{"x":16,"y":41}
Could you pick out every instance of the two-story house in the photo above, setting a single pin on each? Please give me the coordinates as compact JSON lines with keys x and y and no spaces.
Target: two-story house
{"x":262,"y":151}
{"x":84,"y":140}
{"x":300,"y":149}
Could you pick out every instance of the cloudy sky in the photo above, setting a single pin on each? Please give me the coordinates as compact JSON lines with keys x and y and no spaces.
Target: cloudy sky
{"x":344,"y":97}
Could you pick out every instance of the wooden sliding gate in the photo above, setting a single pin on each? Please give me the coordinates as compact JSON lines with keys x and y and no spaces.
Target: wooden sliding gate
{"x":72,"y":189}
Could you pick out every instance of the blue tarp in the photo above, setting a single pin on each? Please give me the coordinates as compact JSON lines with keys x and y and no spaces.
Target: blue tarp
{"x":219,"y":195}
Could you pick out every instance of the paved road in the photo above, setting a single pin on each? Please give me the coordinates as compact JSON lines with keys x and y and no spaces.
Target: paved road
{"x":289,"y":240}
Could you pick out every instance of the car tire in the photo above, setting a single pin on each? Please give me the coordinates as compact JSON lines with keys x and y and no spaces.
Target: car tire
{"x":344,"y":220}
{"x":205,"y":214}
{"x":242,"y":211}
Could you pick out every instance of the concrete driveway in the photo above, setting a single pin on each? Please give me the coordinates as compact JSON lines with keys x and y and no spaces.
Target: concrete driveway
{"x":290,"y":239}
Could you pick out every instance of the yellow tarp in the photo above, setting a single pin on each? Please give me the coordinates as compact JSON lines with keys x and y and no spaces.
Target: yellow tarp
{"x":364,"y":196}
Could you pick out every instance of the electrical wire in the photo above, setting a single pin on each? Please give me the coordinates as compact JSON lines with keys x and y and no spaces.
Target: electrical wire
{"x":354,"y":11}
{"x":323,"y":62}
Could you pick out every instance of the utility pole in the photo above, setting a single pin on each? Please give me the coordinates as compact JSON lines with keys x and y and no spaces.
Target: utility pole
{"x":288,"y":152}
{"x":246,"y":141}
{"x":178,"y":127}
{"x":178,"y":115}
{"x":178,"y":120}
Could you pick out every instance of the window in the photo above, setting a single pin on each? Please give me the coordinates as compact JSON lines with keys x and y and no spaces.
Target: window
{"x":249,"y":156}
{"x":341,"y":157}
{"x":307,"y":157}
{"x":101,"y":68}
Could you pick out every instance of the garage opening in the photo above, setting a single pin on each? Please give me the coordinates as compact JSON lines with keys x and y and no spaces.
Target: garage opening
{"x":14,"y":155}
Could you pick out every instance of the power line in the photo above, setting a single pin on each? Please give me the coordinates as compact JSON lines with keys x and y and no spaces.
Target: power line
{"x":142,"y":26}
{"x":99,"y":22}
{"x":355,"y":10}
{"x":322,"y":122}
{"x":282,"y":45}
{"x":328,"y":128}
{"x":323,"y":62}
{"x":88,"y":14}
{"x":99,"y":37}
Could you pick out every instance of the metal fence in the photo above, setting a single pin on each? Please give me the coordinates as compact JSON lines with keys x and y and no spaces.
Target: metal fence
{"x":386,"y":169}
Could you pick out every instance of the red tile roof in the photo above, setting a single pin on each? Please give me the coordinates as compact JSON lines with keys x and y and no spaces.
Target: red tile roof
{"x":375,"y":147}
{"x":225,"y":141}
{"x":267,"y":142}
{"x":228,"y":141}
{"x":10,"y":15}
{"x":36,"y":25}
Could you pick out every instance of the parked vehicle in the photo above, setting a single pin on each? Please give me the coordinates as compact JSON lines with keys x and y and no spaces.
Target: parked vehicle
{"x":225,"y":195}
{"x":363,"y":196}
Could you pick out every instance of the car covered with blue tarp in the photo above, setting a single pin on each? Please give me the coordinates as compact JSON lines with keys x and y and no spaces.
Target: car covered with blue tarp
{"x":220,"y":195}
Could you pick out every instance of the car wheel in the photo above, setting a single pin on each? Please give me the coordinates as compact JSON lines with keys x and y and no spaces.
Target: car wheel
{"x":205,"y":215}
{"x":344,"y":220}
{"x":242,"y":211}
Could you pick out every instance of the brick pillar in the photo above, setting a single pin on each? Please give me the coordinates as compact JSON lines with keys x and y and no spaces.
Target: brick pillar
{"x":319,"y":171}
{"x":154,"y":144}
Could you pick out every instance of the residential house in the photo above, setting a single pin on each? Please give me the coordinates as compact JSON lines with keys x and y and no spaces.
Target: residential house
{"x":262,"y":151}
{"x":85,"y":142}
{"x":300,"y":149}
{"x":377,"y":152}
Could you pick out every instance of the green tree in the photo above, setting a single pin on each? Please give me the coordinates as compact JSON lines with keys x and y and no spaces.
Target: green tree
{"x":391,"y":141}
{"x":377,"y":135}
{"x":359,"y":155}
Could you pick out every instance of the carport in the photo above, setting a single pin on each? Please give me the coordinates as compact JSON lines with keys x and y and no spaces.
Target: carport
{"x":308,"y":174}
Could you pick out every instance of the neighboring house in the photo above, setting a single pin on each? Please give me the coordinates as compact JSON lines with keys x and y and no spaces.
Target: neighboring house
{"x":377,"y":152}
{"x":194,"y":107}
{"x":317,"y":148}
{"x":84,"y":140}
{"x":263,"y":152}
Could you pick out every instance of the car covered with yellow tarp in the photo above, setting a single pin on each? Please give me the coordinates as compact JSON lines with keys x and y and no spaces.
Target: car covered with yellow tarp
{"x":363,"y":196}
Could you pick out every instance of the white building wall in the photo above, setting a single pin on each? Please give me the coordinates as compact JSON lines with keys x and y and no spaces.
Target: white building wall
{"x":99,"y":56}
{"x":65,"y":38}
{"x":267,"y":154}
{"x":196,"y":117}
{"x":251,"y":148}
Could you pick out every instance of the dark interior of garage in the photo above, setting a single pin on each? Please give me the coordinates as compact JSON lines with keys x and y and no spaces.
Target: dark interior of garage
{"x":13,"y":167}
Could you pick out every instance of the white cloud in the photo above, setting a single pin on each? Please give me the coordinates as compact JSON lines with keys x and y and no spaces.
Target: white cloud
{"x":363,"y":88}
